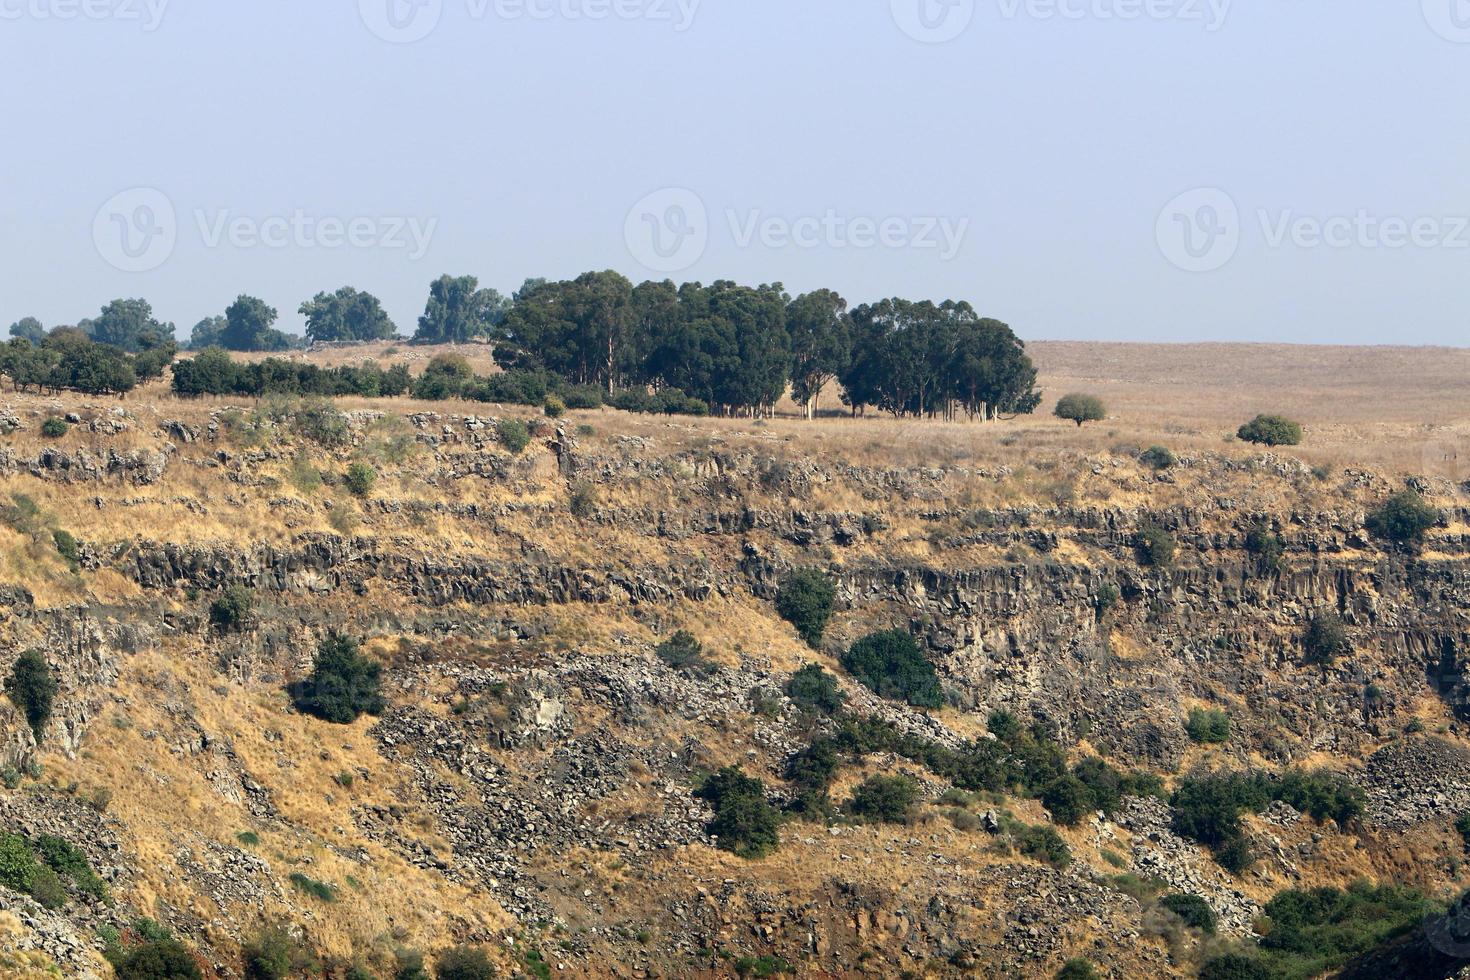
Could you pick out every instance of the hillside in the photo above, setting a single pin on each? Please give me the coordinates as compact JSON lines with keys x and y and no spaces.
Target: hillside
{"x":529,"y":786}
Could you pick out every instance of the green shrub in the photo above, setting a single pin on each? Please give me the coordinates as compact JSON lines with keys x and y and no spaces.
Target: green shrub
{"x":744,"y":822}
{"x":230,"y":612}
{"x":319,"y":890}
{"x":17,"y":863}
{"x":1266,"y":546}
{"x":805,"y":600}
{"x":248,"y":837}
{"x":1004,"y":725}
{"x":153,"y":955}
{"x":684,"y":653}
{"x":812,"y":770}
{"x":273,"y":953}
{"x":409,"y":965}
{"x":1158,"y":458}
{"x":1314,"y":932}
{"x":31,"y":687}
{"x":1044,"y":844}
{"x":1077,"y":969}
{"x":1194,"y":910}
{"x":1320,"y":794}
{"x":66,"y":547}
{"x":66,"y":859}
{"x":1234,"y":966}
{"x":891,"y":665}
{"x":513,"y":435}
{"x":761,"y":966}
{"x":1208,"y":726}
{"x":1107,"y":597}
{"x":1271,"y":430}
{"x":583,"y":500}
{"x":1156,"y":546}
{"x":343,"y":685}
{"x":1080,"y":408}
{"x":46,"y":888}
{"x":322,"y":424}
{"x":1462,"y":827}
{"x":54,"y":427}
{"x":463,"y":963}
{"x":1326,"y":639}
{"x":884,"y":799}
{"x":813,"y":688}
{"x":359,"y":479}
{"x":1403,"y":518}
{"x":1068,"y":800}
{"x":554,"y":408}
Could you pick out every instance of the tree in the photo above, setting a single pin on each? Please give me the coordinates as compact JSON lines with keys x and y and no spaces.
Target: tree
{"x":458,"y":310}
{"x":820,"y":329}
{"x":248,"y":327}
{"x":1081,"y":409}
{"x":1404,"y":518}
{"x":580,"y":330}
{"x":1156,"y":546}
{"x":343,"y":685}
{"x":32,"y":689}
{"x":814,"y":688}
{"x":1271,"y":430}
{"x":359,"y":479}
{"x":129,"y":324}
{"x":1326,"y":639}
{"x":1068,"y":800}
{"x":744,"y":822}
{"x":1194,"y":910}
{"x":805,"y":600}
{"x":230,"y":612}
{"x":209,"y":332}
{"x":446,"y":377}
{"x":892,"y":666}
{"x":346,"y":315}
{"x":28,"y":328}
{"x":464,"y":963}
{"x":884,"y":799}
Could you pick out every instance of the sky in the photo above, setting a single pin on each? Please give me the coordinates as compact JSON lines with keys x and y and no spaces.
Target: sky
{"x":1146,"y":170}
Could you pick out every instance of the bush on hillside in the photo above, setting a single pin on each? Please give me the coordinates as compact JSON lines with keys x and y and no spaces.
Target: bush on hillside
{"x":1193,"y":910}
{"x":884,"y":799}
{"x":891,"y":665}
{"x":1271,"y":430}
{"x":514,"y":435}
{"x":359,"y":479}
{"x":744,"y":823}
{"x":813,"y":688}
{"x":1081,"y":409}
{"x":343,"y":684}
{"x":684,"y":653}
{"x":1208,"y":726}
{"x":1403,"y":519}
{"x":230,"y":612}
{"x":1156,"y":546}
{"x":464,"y":963}
{"x":1158,"y":458}
{"x":1326,"y":639}
{"x":805,"y":601}
{"x":31,"y":687}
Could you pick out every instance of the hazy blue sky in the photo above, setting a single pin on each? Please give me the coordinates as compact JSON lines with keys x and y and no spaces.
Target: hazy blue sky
{"x":1033,"y":163}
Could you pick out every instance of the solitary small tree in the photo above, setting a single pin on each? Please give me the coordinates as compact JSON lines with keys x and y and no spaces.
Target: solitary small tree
{"x":1081,"y":408}
{"x":1326,"y":639}
{"x":343,"y":685}
{"x":1403,"y":518}
{"x":805,"y":601}
{"x":32,"y":689}
{"x":1271,"y":430}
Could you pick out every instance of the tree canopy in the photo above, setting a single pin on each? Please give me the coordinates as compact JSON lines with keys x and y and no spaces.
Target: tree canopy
{"x":346,"y":315}
{"x":248,"y":327}
{"x":458,"y":310}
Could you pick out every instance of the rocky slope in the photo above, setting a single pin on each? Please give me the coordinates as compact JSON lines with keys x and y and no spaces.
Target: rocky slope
{"x":530,"y":785}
